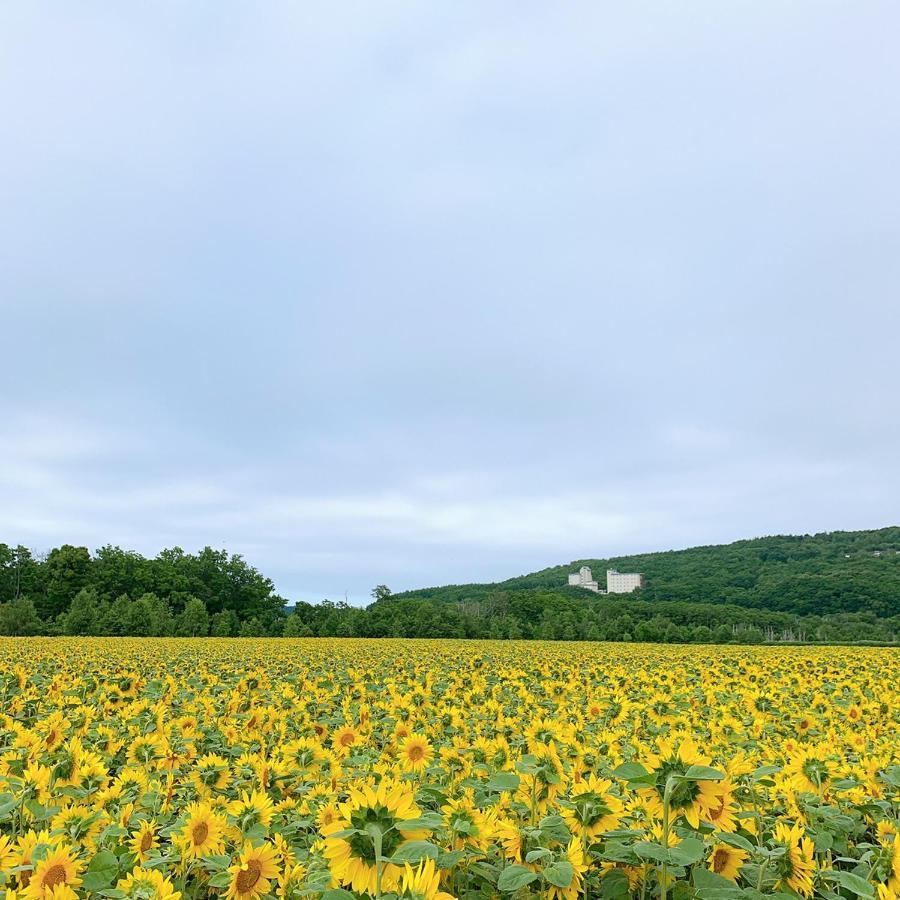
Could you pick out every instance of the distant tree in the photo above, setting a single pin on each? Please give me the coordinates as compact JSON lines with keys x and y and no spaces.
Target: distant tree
{"x":194,"y":620}
{"x":252,"y":628}
{"x":380,"y":592}
{"x":19,"y":618}
{"x":161,"y":620}
{"x":118,"y":616}
{"x":139,"y":617}
{"x":68,"y":570}
{"x":225,"y":624}
{"x":294,"y":626}
{"x":20,"y":573}
{"x":84,"y":615}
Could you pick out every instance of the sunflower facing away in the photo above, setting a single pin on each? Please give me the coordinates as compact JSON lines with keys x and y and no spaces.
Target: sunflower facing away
{"x":368,"y":811}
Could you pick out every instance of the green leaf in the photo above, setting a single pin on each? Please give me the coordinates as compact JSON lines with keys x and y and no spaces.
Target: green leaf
{"x":535,"y":855}
{"x":689,"y":851}
{"x":337,"y":894}
{"x":560,"y":873}
{"x":450,"y":860}
{"x":512,"y":878}
{"x":735,"y":840}
{"x":220,"y":880}
{"x":650,"y":850}
{"x":429,"y":821}
{"x":854,"y":883}
{"x":503,"y":781}
{"x":702,"y":773}
{"x":614,"y":885}
{"x":710,"y":884}
{"x":101,"y":872}
{"x":415,"y":851}
{"x":217,"y":863}
{"x":631,"y":771}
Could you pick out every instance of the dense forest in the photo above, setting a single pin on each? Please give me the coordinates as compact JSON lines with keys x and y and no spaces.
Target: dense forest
{"x":838,"y":586}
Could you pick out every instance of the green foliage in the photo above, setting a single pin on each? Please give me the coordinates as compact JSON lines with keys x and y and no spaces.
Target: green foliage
{"x":834,"y":587}
{"x":118,"y":592}
{"x":831,"y":587}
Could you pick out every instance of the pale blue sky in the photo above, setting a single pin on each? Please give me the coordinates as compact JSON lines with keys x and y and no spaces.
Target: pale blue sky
{"x":418,"y":293}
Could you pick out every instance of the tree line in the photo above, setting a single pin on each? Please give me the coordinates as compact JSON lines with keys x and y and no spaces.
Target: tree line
{"x":118,"y":592}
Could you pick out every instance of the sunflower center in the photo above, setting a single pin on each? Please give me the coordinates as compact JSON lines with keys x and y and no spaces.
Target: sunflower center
{"x":720,"y":861}
{"x":347,"y":739}
{"x":247,"y":878}
{"x":56,"y":874}
{"x":199,"y":833}
{"x":416,"y":752}
{"x":146,"y":841}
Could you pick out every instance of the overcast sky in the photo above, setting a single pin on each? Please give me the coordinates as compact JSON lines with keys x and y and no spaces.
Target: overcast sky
{"x":419,"y":293}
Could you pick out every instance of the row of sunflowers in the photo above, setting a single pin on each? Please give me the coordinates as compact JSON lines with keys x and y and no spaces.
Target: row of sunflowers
{"x":340,"y":769}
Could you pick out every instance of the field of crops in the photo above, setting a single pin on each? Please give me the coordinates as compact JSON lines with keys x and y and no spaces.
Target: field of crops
{"x":428,"y":769}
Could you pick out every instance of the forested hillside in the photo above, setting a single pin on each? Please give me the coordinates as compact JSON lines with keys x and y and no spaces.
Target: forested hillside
{"x":840,"y":586}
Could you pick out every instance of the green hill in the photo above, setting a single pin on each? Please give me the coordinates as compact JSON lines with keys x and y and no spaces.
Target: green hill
{"x":842,"y":585}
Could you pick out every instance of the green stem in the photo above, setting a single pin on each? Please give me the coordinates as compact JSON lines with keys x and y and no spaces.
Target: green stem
{"x":376,"y":838}
{"x":664,"y":871}
{"x":762,"y":871}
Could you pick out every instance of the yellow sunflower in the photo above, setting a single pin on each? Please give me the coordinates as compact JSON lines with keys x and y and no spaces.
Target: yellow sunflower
{"x":726,"y":860}
{"x":574,"y":855}
{"x":58,"y":868}
{"x":344,"y":738}
{"x":690,"y":799}
{"x":252,"y":809}
{"x":251,"y":875}
{"x":422,"y":883}
{"x":595,"y":809}
{"x":202,"y":833}
{"x":797,"y":867}
{"x":415,"y":754}
{"x":148,"y":884}
{"x":467,"y":825}
{"x":371,"y":811}
{"x":143,"y":840}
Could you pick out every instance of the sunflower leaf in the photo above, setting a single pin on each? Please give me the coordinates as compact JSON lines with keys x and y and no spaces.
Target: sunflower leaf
{"x":702,"y":773}
{"x":854,"y":883}
{"x":429,"y":821}
{"x":632,"y":771}
{"x":101,"y":872}
{"x":514,"y":877}
{"x":415,"y":851}
{"x":503,"y":781}
{"x":559,"y":873}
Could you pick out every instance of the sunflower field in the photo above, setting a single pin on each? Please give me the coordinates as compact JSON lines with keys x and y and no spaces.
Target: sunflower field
{"x":341,"y":769}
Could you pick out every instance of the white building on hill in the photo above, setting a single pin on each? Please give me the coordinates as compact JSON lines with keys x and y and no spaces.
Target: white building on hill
{"x":583,"y":579}
{"x":622,"y":582}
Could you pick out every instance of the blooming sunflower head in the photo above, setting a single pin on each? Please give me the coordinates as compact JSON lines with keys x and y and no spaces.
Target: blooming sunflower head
{"x":58,"y":868}
{"x":415,"y":753}
{"x":727,"y":861}
{"x":252,"y":874}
